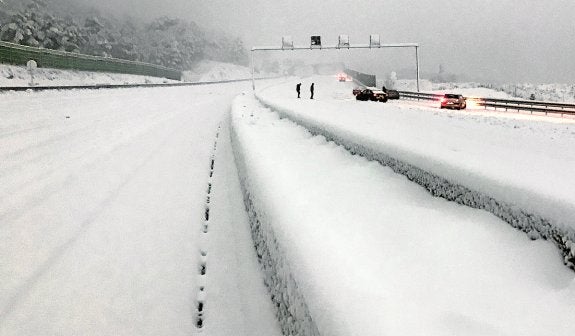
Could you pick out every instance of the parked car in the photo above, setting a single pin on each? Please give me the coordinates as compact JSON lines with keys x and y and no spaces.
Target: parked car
{"x":392,"y":94}
{"x":372,"y":94}
{"x":455,"y":101}
{"x":356,"y":91}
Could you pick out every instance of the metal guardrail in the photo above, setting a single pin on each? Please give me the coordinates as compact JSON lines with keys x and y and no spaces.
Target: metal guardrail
{"x":17,"y":54}
{"x":505,"y":104}
{"x":419,"y":95}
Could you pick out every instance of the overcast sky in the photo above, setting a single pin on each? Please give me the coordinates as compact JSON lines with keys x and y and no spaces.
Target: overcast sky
{"x":505,"y":40}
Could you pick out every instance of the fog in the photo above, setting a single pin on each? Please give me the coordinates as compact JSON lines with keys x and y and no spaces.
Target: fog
{"x":495,"y":40}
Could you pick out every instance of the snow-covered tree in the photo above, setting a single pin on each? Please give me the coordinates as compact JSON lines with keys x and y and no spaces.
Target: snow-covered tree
{"x":171,"y":42}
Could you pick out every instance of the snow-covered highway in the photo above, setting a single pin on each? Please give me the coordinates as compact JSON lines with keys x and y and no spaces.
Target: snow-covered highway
{"x":123,"y":212}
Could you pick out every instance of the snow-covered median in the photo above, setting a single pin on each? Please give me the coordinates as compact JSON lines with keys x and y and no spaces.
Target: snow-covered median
{"x":360,"y":250}
{"x":516,"y":169}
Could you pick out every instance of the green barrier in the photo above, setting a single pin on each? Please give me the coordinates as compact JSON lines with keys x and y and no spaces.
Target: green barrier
{"x":16,"y":54}
{"x":365,"y":79}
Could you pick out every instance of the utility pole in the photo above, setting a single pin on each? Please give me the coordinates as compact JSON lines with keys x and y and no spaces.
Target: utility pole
{"x":417,"y":65}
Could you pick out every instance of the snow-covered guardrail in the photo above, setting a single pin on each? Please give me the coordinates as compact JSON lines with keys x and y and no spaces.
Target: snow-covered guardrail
{"x":419,"y":95}
{"x":506,"y":104}
{"x":527,"y":105}
{"x":118,"y":86}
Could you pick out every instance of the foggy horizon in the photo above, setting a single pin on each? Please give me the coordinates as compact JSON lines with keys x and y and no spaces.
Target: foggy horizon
{"x":479,"y":40}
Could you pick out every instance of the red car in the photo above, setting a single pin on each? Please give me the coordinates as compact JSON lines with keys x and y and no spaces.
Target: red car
{"x":455,"y":101}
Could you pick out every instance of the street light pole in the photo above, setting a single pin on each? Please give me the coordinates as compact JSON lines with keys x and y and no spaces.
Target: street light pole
{"x":253,"y":76}
{"x":417,"y":65}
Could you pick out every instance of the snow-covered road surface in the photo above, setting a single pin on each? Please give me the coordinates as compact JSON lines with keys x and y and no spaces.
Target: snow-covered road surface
{"x":102,"y":200}
{"x":375,"y":254}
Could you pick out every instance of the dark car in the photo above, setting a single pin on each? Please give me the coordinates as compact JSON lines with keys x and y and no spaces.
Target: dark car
{"x":392,"y":94}
{"x":372,"y":94}
{"x":356,"y":90}
{"x":453,"y":101}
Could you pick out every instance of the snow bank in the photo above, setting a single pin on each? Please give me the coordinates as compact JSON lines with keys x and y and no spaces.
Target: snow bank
{"x":361,"y":250}
{"x":291,"y":309}
{"x":12,"y":75}
{"x":513,"y":169}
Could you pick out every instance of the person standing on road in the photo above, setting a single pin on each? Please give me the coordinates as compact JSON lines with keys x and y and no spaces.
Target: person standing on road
{"x":298,"y":89}
{"x":311,"y":90}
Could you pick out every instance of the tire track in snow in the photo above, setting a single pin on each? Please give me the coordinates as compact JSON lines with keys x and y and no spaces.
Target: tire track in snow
{"x":34,"y":153}
{"x":13,"y":301}
{"x":51,"y":188}
{"x":200,"y":309}
{"x":12,"y":167}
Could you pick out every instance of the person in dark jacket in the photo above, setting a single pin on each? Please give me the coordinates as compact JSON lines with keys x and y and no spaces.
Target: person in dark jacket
{"x":298,"y":89}
{"x":311,"y":90}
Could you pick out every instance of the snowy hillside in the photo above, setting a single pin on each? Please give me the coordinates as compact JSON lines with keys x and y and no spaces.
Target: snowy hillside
{"x":210,"y":71}
{"x":545,"y":92}
{"x":172,"y":42}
